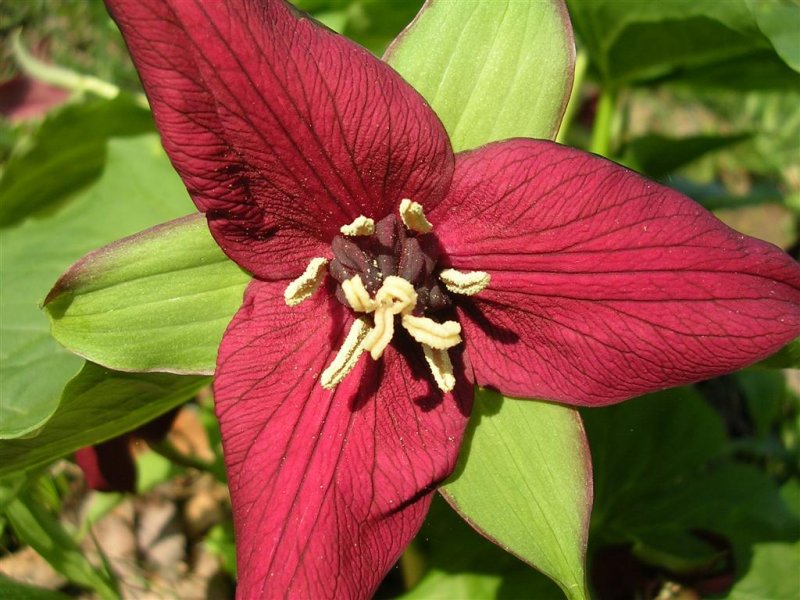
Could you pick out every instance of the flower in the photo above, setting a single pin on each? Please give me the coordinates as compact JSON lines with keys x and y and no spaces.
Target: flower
{"x":391,"y":275}
{"x":109,"y":466}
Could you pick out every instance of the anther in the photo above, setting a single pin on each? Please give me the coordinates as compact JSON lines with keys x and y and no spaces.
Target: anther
{"x":361,"y":226}
{"x":441,"y":367}
{"x":304,"y":286}
{"x":357,"y":295}
{"x":348,"y":355}
{"x":466,"y":283}
{"x":414,"y":216}
{"x":381,"y":333}
{"x":430,"y":333}
{"x":397,"y":294}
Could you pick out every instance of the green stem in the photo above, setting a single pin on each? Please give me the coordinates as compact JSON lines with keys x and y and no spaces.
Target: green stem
{"x":581,"y":64}
{"x":412,"y":566}
{"x":62,"y":77}
{"x":168,"y":451}
{"x":603,"y":122}
{"x":43,"y":532}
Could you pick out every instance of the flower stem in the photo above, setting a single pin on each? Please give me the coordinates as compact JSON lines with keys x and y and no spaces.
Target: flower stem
{"x":603,"y":122}
{"x":581,"y":63}
{"x":62,"y":77}
{"x":168,"y":451}
{"x":412,"y":566}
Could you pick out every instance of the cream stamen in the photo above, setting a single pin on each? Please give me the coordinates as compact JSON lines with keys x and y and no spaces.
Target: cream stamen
{"x":361,"y":226}
{"x":357,"y":295}
{"x":467,"y":283}
{"x":374,"y":328}
{"x":381,"y":334}
{"x":398,"y":293}
{"x":304,"y":286}
{"x":414,"y":216}
{"x":441,"y":367}
{"x":396,"y":296}
{"x":348,"y":355}
{"x":428,"y":332}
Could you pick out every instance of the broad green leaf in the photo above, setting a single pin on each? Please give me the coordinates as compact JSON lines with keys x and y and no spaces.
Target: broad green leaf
{"x":757,"y":72}
{"x":677,"y":551}
{"x":14,"y":590}
{"x":635,"y":41}
{"x":779,"y":20}
{"x":490,"y":70}
{"x":661,"y":473}
{"x":774,"y":573}
{"x":97,"y":405}
{"x":657,"y":155}
{"x":787,"y":357}
{"x":767,"y":398}
{"x":459,"y":563}
{"x":67,"y":153}
{"x":159,"y":299}
{"x":34,"y":525}
{"x":714,"y":196}
{"x":524,"y":480}
{"x":219,"y":541}
{"x":371,"y":23}
{"x":10,"y":486}
{"x":137,"y":189}
{"x":442,"y":584}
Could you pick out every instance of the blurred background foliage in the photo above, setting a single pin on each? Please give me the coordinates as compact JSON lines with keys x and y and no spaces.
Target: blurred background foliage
{"x":696,"y":489}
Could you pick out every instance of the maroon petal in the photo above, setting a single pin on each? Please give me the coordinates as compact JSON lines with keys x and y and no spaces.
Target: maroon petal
{"x":23,"y":97}
{"x":328,"y":487}
{"x":108,"y":466}
{"x":604,"y":285}
{"x":282,"y":130}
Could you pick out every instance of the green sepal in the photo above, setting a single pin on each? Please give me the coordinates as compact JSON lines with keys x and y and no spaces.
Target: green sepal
{"x":524,"y":480}
{"x":156,"y":301}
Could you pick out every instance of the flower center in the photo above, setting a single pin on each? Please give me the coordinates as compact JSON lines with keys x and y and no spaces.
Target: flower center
{"x":385,"y":270}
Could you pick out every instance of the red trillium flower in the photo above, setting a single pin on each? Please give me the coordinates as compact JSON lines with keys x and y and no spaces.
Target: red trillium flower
{"x":391,"y":275}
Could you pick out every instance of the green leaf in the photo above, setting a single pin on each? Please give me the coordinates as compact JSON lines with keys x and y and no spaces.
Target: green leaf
{"x":371,"y":23}
{"x":779,"y":20}
{"x":660,"y":473}
{"x":137,"y":189}
{"x":10,"y":486}
{"x":787,"y":357}
{"x":462,"y":564}
{"x":658,"y":155}
{"x":524,"y":480}
{"x":67,"y":153}
{"x":39,"y":529}
{"x":766,"y":396}
{"x":97,"y":405}
{"x":635,"y":41}
{"x":220,"y":541}
{"x":159,"y":300}
{"x":14,"y":590}
{"x":677,"y":551}
{"x":441,"y":584}
{"x":490,"y":70}
{"x":759,"y":72}
{"x":374,"y":23}
{"x":773,"y":572}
